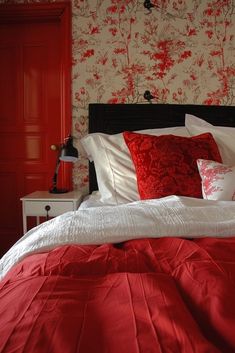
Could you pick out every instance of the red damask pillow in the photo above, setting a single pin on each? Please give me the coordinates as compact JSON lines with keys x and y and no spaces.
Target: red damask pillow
{"x":167,"y":164}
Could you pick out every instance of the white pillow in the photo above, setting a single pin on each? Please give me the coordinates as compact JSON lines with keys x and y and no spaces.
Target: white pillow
{"x":224,"y":136}
{"x":218,"y":180}
{"x":115,"y":171}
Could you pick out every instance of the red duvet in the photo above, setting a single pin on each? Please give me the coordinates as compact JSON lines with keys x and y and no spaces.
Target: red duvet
{"x":165,"y":295}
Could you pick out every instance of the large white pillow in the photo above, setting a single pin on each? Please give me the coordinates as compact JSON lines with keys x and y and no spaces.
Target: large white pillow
{"x":224,"y":136}
{"x":115,"y":171}
{"x":218,"y":180}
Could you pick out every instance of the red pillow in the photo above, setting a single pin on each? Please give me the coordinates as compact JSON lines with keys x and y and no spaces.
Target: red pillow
{"x":167,"y":164}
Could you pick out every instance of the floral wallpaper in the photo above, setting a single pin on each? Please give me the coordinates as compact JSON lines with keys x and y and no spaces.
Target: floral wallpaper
{"x":182,"y":51}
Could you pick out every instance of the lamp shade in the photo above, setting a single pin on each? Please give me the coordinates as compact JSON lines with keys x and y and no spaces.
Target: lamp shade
{"x":68,"y":152}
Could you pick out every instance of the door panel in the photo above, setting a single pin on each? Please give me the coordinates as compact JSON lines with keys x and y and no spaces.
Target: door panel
{"x":30,"y":116}
{"x":8,"y":84}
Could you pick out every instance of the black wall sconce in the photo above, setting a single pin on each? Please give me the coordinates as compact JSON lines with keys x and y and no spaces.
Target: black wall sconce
{"x":66,"y":153}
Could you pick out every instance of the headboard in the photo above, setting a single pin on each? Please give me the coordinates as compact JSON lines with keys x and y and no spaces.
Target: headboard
{"x":115,"y":118}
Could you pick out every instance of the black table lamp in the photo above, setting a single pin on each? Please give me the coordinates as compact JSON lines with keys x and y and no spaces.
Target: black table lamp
{"x":67,"y":153}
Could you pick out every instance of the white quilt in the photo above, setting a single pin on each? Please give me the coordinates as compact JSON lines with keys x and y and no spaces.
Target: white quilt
{"x":170,"y":216}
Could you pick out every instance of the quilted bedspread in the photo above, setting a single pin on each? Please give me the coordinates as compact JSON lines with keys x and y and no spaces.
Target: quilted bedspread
{"x":156,"y":276}
{"x":168,"y":295}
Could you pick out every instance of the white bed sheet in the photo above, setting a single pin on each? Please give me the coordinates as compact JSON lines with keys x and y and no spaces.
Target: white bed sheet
{"x":172,"y":216}
{"x":93,"y":200}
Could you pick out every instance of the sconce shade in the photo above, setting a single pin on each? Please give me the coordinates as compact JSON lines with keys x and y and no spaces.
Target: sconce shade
{"x":68,"y":152}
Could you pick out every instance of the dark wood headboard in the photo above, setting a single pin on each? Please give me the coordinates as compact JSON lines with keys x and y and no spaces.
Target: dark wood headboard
{"x":115,"y":118}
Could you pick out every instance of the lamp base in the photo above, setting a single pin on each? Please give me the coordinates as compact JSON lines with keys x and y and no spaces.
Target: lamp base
{"x":54,"y":190}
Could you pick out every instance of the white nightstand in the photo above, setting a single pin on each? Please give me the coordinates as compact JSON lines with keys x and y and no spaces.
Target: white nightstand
{"x":45,"y":204}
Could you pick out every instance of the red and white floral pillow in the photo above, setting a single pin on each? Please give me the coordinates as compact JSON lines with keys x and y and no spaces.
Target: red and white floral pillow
{"x":218,"y":180}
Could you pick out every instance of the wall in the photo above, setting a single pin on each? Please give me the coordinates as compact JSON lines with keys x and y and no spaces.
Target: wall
{"x":182,"y":51}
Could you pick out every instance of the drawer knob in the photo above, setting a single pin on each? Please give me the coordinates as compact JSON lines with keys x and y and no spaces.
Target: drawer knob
{"x":47,"y":208}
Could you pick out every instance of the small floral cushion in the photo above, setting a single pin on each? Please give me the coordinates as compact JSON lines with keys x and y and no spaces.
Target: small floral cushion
{"x":218,"y":180}
{"x":167,"y":164}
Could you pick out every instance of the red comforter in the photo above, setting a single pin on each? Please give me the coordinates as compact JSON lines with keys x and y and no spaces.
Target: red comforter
{"x":167,"y":295}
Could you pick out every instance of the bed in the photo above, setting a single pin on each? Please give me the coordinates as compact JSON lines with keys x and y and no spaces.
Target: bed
{"x":137,"y":268}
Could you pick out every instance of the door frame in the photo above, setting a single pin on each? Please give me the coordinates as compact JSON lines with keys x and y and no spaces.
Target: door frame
{"x":50,"y":12}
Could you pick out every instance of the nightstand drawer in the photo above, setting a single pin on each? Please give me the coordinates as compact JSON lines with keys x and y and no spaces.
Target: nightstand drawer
{"x":38,"y":208}
{"x":43,"y":204}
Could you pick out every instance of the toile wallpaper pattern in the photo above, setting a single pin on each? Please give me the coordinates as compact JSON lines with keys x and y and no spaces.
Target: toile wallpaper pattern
{"x":183,"y":51}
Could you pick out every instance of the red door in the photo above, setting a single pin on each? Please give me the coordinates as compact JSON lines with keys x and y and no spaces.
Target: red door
{"x":31,"y":116}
